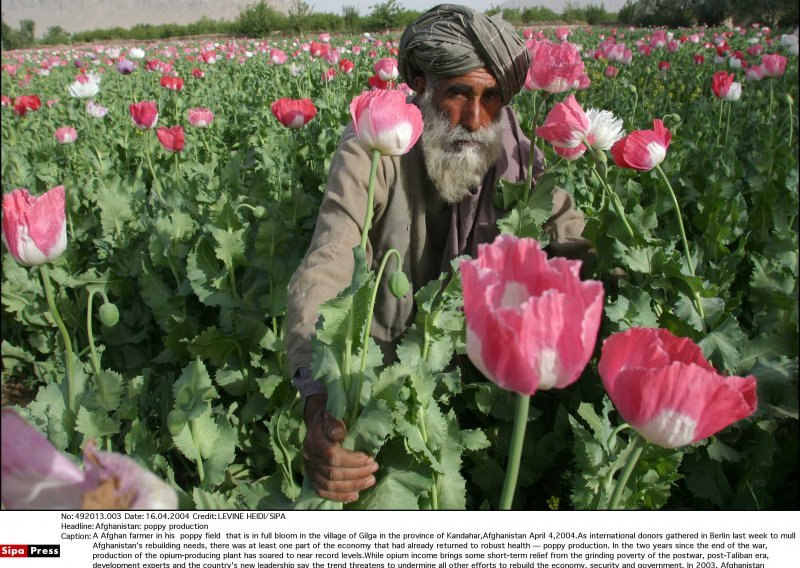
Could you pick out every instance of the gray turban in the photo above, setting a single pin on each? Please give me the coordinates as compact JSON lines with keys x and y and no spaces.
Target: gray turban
{"x":451,"y":40}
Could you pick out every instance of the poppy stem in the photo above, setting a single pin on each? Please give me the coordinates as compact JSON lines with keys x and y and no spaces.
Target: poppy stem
{"x":70,"y":363}
{"x":532,"y":152}
{"x":636,"y":448}
{"x":376,"y":156}
{"x":365,"y":337}
{"x":515,"y":451}
{"x":696,"y":300}
{"x":615,"y":202}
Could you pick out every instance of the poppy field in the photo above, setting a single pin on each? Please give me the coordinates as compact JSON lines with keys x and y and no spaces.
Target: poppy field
{"x":171,"y":190}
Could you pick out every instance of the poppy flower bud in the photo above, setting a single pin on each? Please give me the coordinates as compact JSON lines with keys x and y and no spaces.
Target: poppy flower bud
{"x":259,"y":212}
{"x":398,"y":284}
{"x":109,"y":314}
{"x":176,"y":421}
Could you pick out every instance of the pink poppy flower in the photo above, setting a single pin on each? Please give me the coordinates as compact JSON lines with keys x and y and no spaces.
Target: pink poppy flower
{"x":26,"y":103}
{"x":663,"y":66}
{"x":698,"y":59}
{"x":325,"y":37}
{"x":774,"y":65}
{"x":35,"y":228}
{"x":754,"y":73}
{"x":571,"y":154}
{"x":38,"y":476}
{"x":611,"y":72}
{"x":328,"y":75}
{"x":642,"y":150}
{"x":172,"y":139}
{"x":95,"y":110}
{"x":376,"y":83}
{"x":172,"y":83}
{"x":531,"y":321}
{"x":384,"y":121}
{"x":346,"y":66}
{"x":664,"y":387}
{"x":386,"y":69}
{"x":293,"y":113}
{"x":566,"y":125}
{"x":318,"y":49}
{"x":724,"y":86}
{"x":556,"y":68}
{"x":144,"y":114}
{"x":200,"y":117}
{"x":562,"y":34}
{"x":198,"y":73}
{"x":66,"y":135}
{"x":277,"y":56}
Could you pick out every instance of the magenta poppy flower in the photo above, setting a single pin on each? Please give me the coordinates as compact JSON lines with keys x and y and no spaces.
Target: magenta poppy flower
{"x":144,"y":114}
{"x":172,"y":139}
{"x":38,"y":476}
{"x":531,"y":321}
{"x":774,"y":65}
{"x":642,"y":150}
{"x":66,"y":135}
{"x":566,"y":125}
{"x":555,"y":68}
{"x":664,"y":387}
{"x":384,"y":121}
{"x":200,"y":117}
{"x":293,"y":113}
{"x":35,"y":228}
{"x":386,"y":69}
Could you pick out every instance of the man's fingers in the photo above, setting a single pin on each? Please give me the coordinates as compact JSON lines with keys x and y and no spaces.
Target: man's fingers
{"x":345,"y":490}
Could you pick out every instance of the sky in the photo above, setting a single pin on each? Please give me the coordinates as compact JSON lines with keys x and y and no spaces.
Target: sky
{"x":365,"y":6}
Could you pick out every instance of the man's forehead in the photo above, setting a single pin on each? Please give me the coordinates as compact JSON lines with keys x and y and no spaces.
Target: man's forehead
{"x":477,"y":77}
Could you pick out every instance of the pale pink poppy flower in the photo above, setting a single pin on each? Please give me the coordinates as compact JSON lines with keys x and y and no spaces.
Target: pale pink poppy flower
{"x":664,"y":388}
{"x":200,"y":117}
{"x":642,"y":150}
{"x":37,"y":476}
{"x":35,"y":228}
{"x":66,"y":135}
{"x":556,"y":68}
{"x":384,"y":121}
{"x":531,"y":321}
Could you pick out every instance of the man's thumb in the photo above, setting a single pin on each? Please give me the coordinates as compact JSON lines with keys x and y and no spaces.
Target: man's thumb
{"x":334,"y":428}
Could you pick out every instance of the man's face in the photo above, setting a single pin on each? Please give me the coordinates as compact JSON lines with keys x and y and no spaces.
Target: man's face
{"x":473,"y":100}
{"x":461,"y":138}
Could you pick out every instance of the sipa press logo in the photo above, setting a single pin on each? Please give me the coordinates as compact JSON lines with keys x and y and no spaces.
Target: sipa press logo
{"x":30,"y":550}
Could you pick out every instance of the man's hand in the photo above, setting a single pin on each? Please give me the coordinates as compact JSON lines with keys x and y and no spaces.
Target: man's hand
{"x":336,"y":473}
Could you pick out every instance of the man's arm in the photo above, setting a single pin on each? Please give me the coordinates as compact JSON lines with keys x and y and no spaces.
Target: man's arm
{"x":326,"y":269}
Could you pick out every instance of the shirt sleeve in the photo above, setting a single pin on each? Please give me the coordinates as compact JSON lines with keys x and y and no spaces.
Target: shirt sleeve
{"x":327,"y":267}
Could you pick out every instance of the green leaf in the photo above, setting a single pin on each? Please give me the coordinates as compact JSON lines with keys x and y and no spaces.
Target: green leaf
{"x":396,"y":489}
{"x":214,"y":345}
{"x":373,"y":426}
{"x":49,"y":413}
{"x":208,"y":279}
{"x":230,"y":247}
{"x":206,"y":500}
{"x":218,"y":446}
{"x":721,"y":345}
{"x":111,"y":393}
{"x":94,"y":424}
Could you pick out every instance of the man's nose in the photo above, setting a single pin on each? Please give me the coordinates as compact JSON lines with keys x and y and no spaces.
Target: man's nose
{"x":473,"y":115}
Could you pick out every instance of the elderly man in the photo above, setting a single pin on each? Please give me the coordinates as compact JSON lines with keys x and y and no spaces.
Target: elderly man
{"x":432,"y":204}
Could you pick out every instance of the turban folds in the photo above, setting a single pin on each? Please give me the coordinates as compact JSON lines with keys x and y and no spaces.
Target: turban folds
{"x":451,"y":40}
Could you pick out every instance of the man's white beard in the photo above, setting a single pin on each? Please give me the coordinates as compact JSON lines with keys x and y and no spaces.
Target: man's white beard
{"x":454,"y":167}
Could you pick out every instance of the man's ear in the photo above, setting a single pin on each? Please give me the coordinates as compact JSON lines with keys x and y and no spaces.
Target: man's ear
{"x":419,"y":84}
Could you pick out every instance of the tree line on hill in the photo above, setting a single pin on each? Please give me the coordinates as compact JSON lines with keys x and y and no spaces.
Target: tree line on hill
{"x":261,"y":19}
